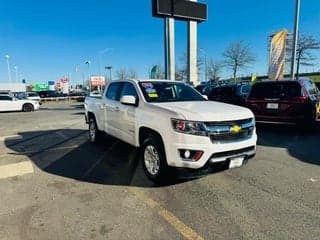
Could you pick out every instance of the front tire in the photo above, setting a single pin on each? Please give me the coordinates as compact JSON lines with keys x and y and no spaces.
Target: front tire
{"x":27,"y":107}
{"x":94,"y":133}
{"x":154,"y":160}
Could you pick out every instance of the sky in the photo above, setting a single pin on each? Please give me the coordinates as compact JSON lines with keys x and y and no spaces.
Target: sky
{"x":47,"y":40}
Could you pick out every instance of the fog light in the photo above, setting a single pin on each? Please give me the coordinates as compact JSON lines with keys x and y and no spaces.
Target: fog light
{"x":187,"y":154}
{"x":190,"y":155}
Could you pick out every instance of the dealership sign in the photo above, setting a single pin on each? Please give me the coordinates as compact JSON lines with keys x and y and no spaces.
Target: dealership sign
{"x":180,"y":9}
{"x":97,"y":81}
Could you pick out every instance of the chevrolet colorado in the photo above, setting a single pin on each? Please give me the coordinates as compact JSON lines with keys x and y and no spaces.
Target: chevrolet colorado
{"x":173,"y":124}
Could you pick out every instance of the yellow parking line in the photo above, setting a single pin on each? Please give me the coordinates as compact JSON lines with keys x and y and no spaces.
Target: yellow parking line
{"x":16,"y":169}
{"x":182,"y":228}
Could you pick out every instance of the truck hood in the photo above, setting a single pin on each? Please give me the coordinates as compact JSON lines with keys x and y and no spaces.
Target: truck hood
{"x":207,"y":110}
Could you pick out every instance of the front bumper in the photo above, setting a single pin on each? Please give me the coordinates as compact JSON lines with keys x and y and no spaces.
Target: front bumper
{"x":208,"y":168}
{"x":213,"y":152}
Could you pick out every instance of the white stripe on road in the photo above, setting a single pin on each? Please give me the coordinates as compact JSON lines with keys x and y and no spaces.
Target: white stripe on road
{"x":39,"y":151}
{"x":11,"y":137}
{"x":16,"y":169}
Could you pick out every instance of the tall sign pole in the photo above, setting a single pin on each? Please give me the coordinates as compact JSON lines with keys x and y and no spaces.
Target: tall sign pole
{"x":186,"y":10}
{"x":295,"y":39}
{"x":169,"y":48}
{"x":192,"y":76}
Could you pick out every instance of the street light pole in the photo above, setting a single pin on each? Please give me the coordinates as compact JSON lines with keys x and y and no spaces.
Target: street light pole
{"x":88,"y":63}
{"x":295,"y":38}
{"x":109,"y":68}
{"x":7,"y":57}
{"x":16,"y":70}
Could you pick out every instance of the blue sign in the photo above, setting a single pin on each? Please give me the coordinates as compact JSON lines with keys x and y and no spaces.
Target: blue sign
{"x":24,"y":81}
{"x":50,"y":83}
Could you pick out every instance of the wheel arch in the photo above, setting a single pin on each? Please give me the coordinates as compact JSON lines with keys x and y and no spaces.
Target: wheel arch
{"x":145,"y":132}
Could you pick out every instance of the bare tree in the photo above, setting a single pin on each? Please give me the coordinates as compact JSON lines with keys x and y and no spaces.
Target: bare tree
{"x":214,"y":69}
{"x":132,"y":74}
{"x":182,"y":69}
{"x":123,"y":74}
{"x":238,"y":56}
{"x":304,"y":56}
{"x":157,"y":72}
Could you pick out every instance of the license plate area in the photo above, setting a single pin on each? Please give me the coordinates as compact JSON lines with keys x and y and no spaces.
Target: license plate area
{"x":236,"y":162}
{"x":272,"y":105}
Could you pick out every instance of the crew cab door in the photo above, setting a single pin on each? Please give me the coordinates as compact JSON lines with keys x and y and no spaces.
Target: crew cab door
{"x":112,"y":109}
{"x":128,"y":114}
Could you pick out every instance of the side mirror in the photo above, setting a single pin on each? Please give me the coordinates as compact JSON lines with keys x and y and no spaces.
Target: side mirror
{"x":129,"y":100}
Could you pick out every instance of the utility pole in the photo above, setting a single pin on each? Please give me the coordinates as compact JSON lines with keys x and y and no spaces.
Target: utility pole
{"x":7,"y":57}
{"x":169,"y":48}
{"x":295,"y":39}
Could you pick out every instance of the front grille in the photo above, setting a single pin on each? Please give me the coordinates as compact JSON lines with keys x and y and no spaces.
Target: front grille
{"x":229,"y":123}
{"x":226,"y":136}
{"x":224,"y":131}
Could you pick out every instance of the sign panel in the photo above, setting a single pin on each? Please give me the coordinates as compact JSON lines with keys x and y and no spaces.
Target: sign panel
{"x":41,"y":87}
{"x":180,"y":9}
{"x":97,"y":81}
{"x":64,"y":80}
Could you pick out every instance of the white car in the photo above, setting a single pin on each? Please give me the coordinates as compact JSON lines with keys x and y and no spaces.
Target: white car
{"x":8,"y":103}
{"x":173,"y":124}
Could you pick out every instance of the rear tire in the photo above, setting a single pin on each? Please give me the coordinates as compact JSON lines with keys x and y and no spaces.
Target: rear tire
{"x":154,"y":160}
{"x":309,"y":122}
{"x":94,"y":134}
{"x":28,"y":107}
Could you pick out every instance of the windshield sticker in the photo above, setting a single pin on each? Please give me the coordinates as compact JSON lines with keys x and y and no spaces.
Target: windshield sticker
{"x":151,"y":90}
{"x":153,"y":95}
{"x":147,"y":85}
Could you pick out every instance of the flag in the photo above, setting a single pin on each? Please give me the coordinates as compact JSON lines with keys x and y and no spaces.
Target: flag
{"x":277,"y":55}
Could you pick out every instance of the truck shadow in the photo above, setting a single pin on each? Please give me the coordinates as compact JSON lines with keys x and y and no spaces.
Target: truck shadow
{"x":67,"y":153}
{"x":300,"y":144}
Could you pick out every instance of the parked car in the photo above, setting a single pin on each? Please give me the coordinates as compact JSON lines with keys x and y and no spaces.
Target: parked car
{"x":49,"y":93}
{"x":173,"y":124}
{"x":200,"y":88}
{"x":232,"y":93}
{"x":291,"y":102}
{"x":9,"y":103}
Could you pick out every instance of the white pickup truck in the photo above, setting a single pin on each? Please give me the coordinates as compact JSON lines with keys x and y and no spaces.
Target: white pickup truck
{"x":10,"y":103}
{"x":173,"y":124}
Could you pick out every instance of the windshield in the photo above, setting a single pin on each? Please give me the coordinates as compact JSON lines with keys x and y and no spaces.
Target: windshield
{"x":169,"y":92}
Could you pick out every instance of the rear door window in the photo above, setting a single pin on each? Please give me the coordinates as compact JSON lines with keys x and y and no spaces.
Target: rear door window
{"x":279,"y":90}
{"x":5,"y":98}
{"x":113,"y":91}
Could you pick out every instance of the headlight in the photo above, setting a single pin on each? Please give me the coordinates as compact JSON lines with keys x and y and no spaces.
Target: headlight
{"x":189,"y":127}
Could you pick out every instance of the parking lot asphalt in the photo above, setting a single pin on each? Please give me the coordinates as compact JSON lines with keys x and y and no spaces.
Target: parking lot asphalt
{"x":54,"y":184}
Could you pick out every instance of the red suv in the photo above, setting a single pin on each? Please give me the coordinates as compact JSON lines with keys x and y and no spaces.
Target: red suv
{"x":289,"y":101}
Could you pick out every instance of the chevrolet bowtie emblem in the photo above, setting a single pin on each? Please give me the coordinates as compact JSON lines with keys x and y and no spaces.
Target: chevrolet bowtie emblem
{"x":235,"y":129}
